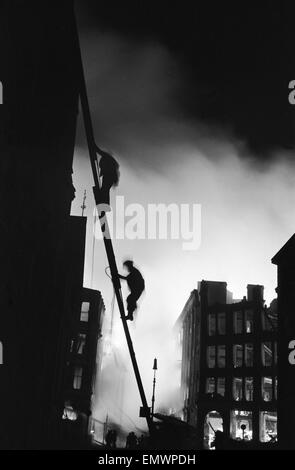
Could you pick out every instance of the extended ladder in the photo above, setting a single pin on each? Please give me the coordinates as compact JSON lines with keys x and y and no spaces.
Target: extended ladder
{"x":105,"y":229}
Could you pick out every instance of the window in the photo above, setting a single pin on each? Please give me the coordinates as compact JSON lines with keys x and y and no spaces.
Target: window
{"x":221,"y":386}
{"x":69,"y":413}
{"x":210,"y":385}
{"x":221,"y":323}
{"x":266,"y":322}
{"x":77,"y":382}
{"x":266,"y":351}
{"x":249,"y":388}
{"x":241,"y":425}
{"x":84,"y":311}
{"x":211,"y":324}
{"x":238,"y":322}
{"x":221,"y":355}
{"x":238,"y":355}
{"x":268,"y":426}
{"x":249,"y":321}
{"x":267,"y":388}
{"x":249,"y":355}
{"x":237,"y":388}
{"x":211,"y":356}
{"x":81,"y":343}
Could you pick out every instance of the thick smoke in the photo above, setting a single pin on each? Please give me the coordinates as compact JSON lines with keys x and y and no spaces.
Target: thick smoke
{"x":247,"y":212}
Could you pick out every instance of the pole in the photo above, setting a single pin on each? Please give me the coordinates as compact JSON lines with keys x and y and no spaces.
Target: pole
{"x":155,"y":367}
{"x":153,"y":397}
{"x":105,"y":228}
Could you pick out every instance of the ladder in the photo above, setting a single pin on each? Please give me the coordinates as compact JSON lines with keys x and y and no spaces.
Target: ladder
{"x":105,"y":229}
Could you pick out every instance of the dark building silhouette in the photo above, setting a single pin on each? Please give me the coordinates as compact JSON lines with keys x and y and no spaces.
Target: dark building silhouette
{"x":229,"y":364}
{"x":82,"y":363}
{"x":41,"y":253}
{"x":284,"y":260}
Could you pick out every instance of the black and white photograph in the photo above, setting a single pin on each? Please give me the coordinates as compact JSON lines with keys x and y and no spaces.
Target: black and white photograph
{"x":147,"y":229}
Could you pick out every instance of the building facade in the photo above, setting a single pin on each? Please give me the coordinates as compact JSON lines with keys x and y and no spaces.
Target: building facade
{"x":38,"y":130}
{"x":82,"y":365}
{"x":188,"y":330}
{"x":229,"y":364}
{"x":284,"y":260}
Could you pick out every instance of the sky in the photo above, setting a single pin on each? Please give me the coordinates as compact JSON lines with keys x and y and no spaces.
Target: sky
{"x":185,"y":134}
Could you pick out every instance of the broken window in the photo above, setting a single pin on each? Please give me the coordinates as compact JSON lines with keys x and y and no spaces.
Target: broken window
{"x":211,"y":356}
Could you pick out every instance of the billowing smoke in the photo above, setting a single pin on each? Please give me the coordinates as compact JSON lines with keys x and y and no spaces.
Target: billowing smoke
{"x":247,"y":212}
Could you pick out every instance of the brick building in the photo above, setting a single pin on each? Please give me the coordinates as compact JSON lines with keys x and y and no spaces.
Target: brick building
{"x":229,"y":364}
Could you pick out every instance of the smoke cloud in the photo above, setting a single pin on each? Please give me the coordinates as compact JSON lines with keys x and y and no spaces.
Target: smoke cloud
{"x":247,"y":210}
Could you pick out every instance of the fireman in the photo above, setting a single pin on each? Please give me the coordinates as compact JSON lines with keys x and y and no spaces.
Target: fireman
{"x":136,"y":286}
{"x":109,"y":174}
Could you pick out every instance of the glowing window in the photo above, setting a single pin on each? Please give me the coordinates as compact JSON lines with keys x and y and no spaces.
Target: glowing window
{"x":249,"y":388}
{"x":81,"y":343}
{"x":268,"y":426}
{"x":77,"y":382}
{"x":249,"y":321}
{"x":237,"y":388}
{"x":85,"y":311}
{"x":241,"y":425}
{"x":266,"y":351}
{"x":266,"y":388}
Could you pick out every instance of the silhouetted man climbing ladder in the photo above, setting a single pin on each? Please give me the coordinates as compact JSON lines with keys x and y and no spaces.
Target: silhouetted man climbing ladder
{"x":136,"y":286}
{"x":109,"y":174}
{"x":93,"y":150}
